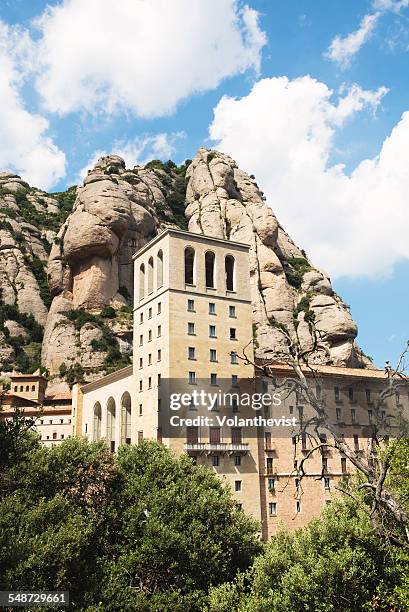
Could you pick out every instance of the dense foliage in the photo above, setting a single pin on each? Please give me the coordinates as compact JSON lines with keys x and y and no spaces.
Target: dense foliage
{"x":143,"y":530}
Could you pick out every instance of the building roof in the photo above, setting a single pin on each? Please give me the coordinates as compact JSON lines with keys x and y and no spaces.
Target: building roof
{"x":106,"y":380}
{"x":58,"y":396}
{"x":192,"y":236}
{"x":325,"y":370}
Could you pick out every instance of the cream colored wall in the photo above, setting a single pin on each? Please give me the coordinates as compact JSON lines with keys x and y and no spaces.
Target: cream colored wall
{"x":48,"y":425}
{"x":102,"y":394}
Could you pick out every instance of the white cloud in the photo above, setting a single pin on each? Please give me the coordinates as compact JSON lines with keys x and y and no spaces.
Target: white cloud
{"x":25,"y":147}
{"x":137,"y":151}
{"x":390,"y":5}
{"x":283,"y":132}
{"x":342,"y":50}
{"x":141,"y":56}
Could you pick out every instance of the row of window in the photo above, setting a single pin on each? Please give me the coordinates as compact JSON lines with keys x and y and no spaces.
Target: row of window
{"x":191,"y":330}
{"x":27,"y":389}
{"x":210,"y":269}
{"x":324,"y":463}
{"x":192,"y":435}
{"x":50,"y":422}
{"x":212,"y":308}
{"x":150,"y":312}
{"x":192,"y":379}
{"x":55,"y":436}
{"x":150,"y":275}
{"x":338,"y":413}
{"x":158,"y":335}
{"x":191,"y":355}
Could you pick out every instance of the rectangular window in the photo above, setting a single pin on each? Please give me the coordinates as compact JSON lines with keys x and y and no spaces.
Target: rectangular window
{"x":140,"y":363}
{"x":150,"y":335}
{"x":303,"y":442}
{"x":191,"y":352}
{"x":353,"y":415}
{"x":237,"y":460}
{"x":233,"y":333}
{"x":150,"y":313}
{"x":337,"y":394}
{"x":140,"y":385}
{"x":343,"y":465}
{"x":356,"y":442}
{"x":140,"y":410}
{"x":141,"y":318}
{"x":54,"y":435}
{"x":271,"y":484}
{"x":212,"y":308}
{"x":159,"y":379}
{"x":233,"y":357}
{"x":338,"y":411}
{"x":159,"y":355}
{"x":159,"y":307}
{"x":216,"y":460}
{"x":267,"y":440}
{"x":213,"y":379}
{"x":150,"y":382}
{"x":213,"y":355}
{"x":140,"y":437}
{"x":236,"y":437}
{"x":192,"y":435}
{"x":237,"y":485}
{"x":327,"y":483}
{"x":212,"y":331}
{"x":191,"y":329}
{"x":192,"y":378}
{"x":298,"y":506}
{"x":232,"y":311}
{"x":272,"y":509}
{"x":150,"y":359}
{"x":234,"y":380}
{"x":191,"y":305}
{"x":159,"y":331}
{"x":141,"y":340}
{"x":214,"y":435}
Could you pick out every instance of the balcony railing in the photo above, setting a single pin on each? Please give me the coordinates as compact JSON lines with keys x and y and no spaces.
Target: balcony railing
{"x":219,"y":447}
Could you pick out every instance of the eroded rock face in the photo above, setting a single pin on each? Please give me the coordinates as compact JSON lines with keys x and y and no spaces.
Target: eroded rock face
{"x":116,"y":212}
{"x":225,"y":202}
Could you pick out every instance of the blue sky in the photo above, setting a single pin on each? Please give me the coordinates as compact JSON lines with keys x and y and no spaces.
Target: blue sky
{"x":308,"y":95}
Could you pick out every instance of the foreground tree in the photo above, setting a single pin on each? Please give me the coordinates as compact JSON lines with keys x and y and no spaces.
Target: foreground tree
{"x":143,"y":530}
{"x":335,"y":563}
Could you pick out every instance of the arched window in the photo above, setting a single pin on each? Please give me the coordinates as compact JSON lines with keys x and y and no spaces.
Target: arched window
{"x":142,"y":281}
{"x":209,"y":265}
{"x":159,"y":270}
{"x":97,"y":422}
{"x":126,"y":418}
{"x":189,"y":266}
{"x":33,"y":387}
{"x":111,"y":419}
{"x":27,"y":388}
{"x":150,"y":275}
{"x":229,"y":270}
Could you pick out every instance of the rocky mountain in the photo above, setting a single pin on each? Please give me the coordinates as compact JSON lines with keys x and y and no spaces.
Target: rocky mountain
{"x":66,"y":263}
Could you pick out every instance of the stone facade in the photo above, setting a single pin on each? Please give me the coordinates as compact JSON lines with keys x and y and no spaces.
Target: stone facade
{"x":193,"y":326}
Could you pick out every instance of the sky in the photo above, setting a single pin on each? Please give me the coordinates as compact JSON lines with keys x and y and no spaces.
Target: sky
{"x":310,"y":96}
